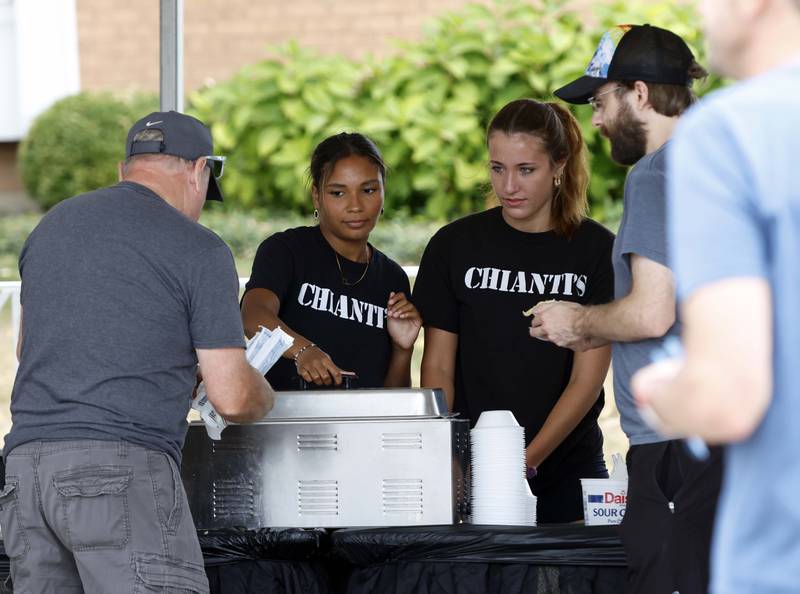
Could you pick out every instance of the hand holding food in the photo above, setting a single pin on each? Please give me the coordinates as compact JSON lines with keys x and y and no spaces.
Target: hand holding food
{"x":560,"y":323}
{"x":529,"y":312}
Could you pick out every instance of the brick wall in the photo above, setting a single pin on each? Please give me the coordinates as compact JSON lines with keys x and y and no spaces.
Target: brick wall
{"x":9,"y":176}
{"x":118,"y":40}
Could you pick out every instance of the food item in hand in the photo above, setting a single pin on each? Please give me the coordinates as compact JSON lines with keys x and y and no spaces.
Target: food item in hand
{"x":529,"y":312}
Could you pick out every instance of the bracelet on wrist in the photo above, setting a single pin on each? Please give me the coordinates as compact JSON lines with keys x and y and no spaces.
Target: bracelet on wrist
{"x":301,"y":350}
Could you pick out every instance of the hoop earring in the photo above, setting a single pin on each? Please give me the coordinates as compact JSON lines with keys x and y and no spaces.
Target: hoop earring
{"x":381,"y":210}
{"x":316,"y":214}
{"x":557,"y":181}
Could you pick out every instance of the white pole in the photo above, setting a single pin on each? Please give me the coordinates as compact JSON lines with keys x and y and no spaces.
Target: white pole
{"x":16,"y":312}
{"x":9,"y":292}
{"x":171,"y":48}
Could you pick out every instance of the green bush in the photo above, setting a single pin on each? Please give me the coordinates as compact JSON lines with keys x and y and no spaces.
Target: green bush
{"x":427,"y":106}
{"x":268,"y":118}
{"x":401,"y":239}
{"x":75,"y":145}
{"x":14,"y":230}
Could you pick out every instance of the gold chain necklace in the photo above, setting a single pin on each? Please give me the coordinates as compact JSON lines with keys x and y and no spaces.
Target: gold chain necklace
{"x":346,"y":282}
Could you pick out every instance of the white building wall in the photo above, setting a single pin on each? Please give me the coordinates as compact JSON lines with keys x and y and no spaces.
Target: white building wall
{"x":38,"y":60}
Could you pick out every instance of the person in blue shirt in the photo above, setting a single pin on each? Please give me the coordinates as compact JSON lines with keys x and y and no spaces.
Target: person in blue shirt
{"x":734,"y":212}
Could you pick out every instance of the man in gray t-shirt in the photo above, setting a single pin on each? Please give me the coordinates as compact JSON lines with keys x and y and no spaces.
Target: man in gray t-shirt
{"x":642,"y":234}
{"x":123,"y":294}
{"x":638,"y":84}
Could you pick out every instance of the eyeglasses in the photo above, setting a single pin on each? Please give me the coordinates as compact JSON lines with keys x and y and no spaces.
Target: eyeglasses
{"x":593,"y":100}
{"x":216,"y":165}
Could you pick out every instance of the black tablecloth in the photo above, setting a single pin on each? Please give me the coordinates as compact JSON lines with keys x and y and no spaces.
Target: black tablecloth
{"x":280,"y":561}
{"x":222,"y":547}
{"x":545,"y":545}
{"x":482,"y":559}
{"x":461,"y":559}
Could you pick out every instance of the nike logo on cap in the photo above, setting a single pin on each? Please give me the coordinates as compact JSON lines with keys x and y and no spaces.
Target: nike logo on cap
{"x":148,"y":124}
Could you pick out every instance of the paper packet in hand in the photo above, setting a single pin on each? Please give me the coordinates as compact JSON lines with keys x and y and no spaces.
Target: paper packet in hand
{"x":263,"y":351}
{"x":212,"y":419}
{"x":266,"y":347}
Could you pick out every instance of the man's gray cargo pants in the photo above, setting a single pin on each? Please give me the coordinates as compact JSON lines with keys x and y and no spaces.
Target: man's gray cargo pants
{"x":98,"y":516}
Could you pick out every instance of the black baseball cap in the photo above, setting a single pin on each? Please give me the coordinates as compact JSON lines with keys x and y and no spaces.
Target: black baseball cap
{"x":632,"y":52}
{"x":184,"y":136}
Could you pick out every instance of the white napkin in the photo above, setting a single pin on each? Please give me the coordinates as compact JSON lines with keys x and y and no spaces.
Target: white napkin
{"x":619,"y":472}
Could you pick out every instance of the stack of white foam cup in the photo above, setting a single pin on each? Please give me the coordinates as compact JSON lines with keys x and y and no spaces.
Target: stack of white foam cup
{"x":500,"y":493}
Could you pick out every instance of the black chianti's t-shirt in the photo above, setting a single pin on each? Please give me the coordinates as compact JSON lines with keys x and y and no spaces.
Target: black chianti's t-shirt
{"x":346,"y":321}
{"x":476,"y":277}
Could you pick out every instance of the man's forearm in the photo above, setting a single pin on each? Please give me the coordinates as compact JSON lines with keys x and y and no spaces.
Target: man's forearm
{"x":256,"y":399}
{"x":622,"y":320}
{"x":647,"y":311}
{"x":724,"y":387}
{"x":707,"y":401}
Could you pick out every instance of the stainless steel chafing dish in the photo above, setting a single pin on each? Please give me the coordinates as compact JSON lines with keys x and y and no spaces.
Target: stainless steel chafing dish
{"x":329,"y":459}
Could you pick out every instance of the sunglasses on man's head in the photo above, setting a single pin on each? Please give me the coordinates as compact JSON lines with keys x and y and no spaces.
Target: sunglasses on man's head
{"x":216,"y":165}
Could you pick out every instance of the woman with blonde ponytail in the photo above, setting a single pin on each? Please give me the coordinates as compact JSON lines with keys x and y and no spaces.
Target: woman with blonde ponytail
{"x":480,"y":275}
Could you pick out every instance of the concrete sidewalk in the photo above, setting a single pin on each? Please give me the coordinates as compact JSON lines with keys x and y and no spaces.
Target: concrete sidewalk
{"x":16,"y":202}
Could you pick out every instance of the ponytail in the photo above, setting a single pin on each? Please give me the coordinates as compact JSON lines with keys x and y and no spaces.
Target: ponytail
{"x":570,"y":205}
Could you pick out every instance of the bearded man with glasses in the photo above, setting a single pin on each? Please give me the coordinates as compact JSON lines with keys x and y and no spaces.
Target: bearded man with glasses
{"x":639,"y":84}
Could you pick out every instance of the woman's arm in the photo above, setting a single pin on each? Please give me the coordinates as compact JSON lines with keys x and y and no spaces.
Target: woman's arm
{"x":439,"y":362}
{"x":260,"y":307}
{"x":399,"y":373}
{"x":589,"y":369}
{"x":403,"y":323}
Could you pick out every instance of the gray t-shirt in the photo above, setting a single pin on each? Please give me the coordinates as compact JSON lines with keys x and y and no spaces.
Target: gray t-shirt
{"x":642,"y":231}
{"x":118,"y":290}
